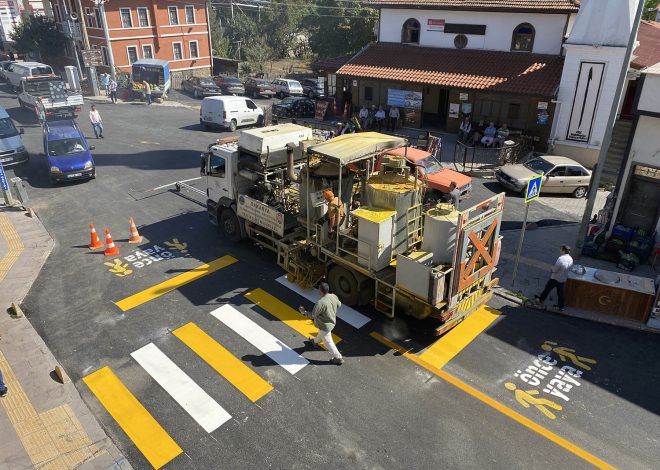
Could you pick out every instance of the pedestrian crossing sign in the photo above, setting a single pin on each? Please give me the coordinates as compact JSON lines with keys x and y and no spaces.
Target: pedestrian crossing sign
{"x":533,"y":188}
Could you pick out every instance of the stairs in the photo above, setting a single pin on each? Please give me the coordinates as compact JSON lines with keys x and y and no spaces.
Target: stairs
{"x":620,"y":136}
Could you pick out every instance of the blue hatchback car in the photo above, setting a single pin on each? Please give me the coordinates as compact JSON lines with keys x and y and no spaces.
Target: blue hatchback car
{"x":67,"y":152}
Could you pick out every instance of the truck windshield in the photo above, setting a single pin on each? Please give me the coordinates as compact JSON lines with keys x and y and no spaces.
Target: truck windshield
{"x":37,"y":88}
{"x":430,"y":164}
{"x":7,"y":128}
{"x":65,"y":146}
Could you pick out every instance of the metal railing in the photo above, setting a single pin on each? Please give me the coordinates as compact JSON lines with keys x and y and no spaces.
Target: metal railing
{"x":468,"y":158}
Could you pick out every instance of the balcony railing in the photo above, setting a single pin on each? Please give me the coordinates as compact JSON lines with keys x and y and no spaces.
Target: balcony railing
{"x":70,"y":29}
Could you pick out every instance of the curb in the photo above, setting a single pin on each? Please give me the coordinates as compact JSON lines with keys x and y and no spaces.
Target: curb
{"x":508,"y":295}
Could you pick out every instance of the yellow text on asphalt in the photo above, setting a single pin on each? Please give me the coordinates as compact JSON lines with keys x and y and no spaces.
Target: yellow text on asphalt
{"x":174,"y":283}
{"x":148,"y":436}
{"x":223,"y":362}
{"x":505,"y":410}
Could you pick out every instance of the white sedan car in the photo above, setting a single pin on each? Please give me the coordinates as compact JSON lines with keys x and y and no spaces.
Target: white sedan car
{"x":561,"y":175}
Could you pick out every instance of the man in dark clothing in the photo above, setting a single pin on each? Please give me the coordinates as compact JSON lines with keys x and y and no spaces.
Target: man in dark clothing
{"x":324,"y":316}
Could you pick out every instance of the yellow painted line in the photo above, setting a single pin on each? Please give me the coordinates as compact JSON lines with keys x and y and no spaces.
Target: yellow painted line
{"x":528,"y":423}
{"x":14,"y":245}
{"x":248,"y":382}
{"x":148,"y":436}
{"x":289,"y":316}
{"x":447,"y":347}
{"x":174,"y":283}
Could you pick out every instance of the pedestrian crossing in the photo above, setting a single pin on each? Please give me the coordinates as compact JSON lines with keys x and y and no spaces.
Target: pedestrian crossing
{"x":153,"y":441}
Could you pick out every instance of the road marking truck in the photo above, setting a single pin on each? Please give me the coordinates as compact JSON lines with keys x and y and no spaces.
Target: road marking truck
{"x":389,"y":250}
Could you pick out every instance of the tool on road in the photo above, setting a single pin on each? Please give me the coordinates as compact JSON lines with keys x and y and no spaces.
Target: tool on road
{"x":95,"y":243}
{"x":110,"y":248}
{"x":135,"y":236}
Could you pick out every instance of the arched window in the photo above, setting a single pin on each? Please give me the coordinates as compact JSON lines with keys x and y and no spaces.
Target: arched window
{"x":410,"y":32}
{"x":523,"y":38}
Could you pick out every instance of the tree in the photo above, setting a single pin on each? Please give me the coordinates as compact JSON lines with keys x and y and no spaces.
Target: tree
{"x":347,"y":28}
{"x":282,"y":23}
{"x":221,"y":44}
{"x":241,"y":32}
{"x":650,"y":9}
{"x":258,"y":54}
{"x":38,"y":35}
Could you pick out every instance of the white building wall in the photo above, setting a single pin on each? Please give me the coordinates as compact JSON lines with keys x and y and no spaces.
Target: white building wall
{"x":499,"y":28}
{"x":613,"y":57}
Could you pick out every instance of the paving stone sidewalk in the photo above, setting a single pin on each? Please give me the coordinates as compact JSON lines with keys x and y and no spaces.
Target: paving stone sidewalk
{"x":44,"y":423}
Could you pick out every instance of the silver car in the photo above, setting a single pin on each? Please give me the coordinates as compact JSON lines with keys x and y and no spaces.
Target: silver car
{"x":561,"y":175}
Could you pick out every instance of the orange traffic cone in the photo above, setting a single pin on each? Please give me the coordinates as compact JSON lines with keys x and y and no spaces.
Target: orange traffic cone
{"x":95,"y":244}
{"x":346,"y":110}
{"x":135,"y":236}
{"x":110,"y":248}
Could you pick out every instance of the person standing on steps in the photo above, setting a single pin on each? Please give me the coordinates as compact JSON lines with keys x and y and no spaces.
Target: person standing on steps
{"x":558,"y":277}
{"x":324,"y":316}
{"x":97,"y":123}
{"x":147,"y":91}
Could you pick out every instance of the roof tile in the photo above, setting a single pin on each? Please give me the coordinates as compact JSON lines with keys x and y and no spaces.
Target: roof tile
{"x":506,"y":72}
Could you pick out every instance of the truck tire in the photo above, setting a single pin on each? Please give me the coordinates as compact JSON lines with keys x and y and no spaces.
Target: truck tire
{"x":344,"y":285}
{"x":260,"y":121}
{"x":230,"y":225}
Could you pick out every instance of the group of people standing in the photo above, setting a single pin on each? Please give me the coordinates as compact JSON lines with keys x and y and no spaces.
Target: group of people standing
{"x":110,"y":85}
{"x":488,"y":136}
{"x":374,"y":118}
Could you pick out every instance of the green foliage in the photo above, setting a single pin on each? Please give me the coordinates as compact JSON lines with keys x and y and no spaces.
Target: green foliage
{"x":242,"y":28}
{"x":38,"y":35}
{"x":258,"y":54}
{"x":649,"y":9}
{"x":221,"y":44}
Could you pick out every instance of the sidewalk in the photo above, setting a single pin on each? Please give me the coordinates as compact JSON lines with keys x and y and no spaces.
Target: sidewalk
{"x":44,"y":424}
{"x":539,"y":253}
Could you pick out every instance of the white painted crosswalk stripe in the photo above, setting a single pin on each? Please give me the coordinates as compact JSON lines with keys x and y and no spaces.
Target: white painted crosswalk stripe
{"x":268,"y":344}
{"x":346,"y":313}
{"x":203,"y":409}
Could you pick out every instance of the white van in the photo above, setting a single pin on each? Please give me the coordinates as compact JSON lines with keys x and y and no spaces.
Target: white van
{"x":18,"y":70}
{"x":12,"y":150}
{"x":229,"y":112}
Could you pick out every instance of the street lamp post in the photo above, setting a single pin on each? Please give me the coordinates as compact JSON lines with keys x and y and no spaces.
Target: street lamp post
{"x":100,"y":4}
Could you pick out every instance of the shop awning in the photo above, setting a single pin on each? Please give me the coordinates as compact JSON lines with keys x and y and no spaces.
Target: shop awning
{"x":349,"y":148}
{"x":503,"y":72}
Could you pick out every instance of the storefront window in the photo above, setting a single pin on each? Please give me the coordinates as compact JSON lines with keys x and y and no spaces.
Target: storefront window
{"x":410,"y":32}
{"x":523,"y":38}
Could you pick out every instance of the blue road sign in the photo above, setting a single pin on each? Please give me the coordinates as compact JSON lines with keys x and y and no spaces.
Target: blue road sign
{"x":533,"y":190}
{"x":3,"y":179}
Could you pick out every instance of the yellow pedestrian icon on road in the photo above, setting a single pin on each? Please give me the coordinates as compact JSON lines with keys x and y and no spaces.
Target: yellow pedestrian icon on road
{"x":566,"y":354}
{"x":528,"y":399}
{"x":119,"y":269}
{"x":175,"y":244}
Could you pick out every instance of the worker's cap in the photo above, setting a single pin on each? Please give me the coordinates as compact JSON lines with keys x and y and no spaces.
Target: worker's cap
{"x":328,"y":195}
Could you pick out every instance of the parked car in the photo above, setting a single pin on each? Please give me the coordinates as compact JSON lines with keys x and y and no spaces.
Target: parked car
{"x":257,"y":87}
{"x":287,"y":87}
{"x":312,"y":88}
{"x":12,"y":150}
{"x":201,"y":86}
{"x":68,"y":156}
{"x":229,"y":85}
{"x":438,"y":179}
{"x":229,"y":112}
{"x":561,"y":175}
{"x":294,"y":106}
{"x":4,"y":65}
{"x":18,"y":70}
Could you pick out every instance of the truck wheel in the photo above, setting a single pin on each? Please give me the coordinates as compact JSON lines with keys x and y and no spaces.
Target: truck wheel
{"x":232,"y":125}
{"x":260,"y":121}
{"x":344,"y":285}
{"x":229,"y":225}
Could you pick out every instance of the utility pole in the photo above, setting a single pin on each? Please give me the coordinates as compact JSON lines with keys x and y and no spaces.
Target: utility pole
{"x":100,"y":4}
{"x":607,"y":138}
{"x":91,"y":71}
{"x":231,"y":4}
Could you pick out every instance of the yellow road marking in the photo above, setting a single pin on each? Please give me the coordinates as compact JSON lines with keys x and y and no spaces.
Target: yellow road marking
{"x":528,"y":423}
{"x":444,"y":349}
{"x":174,"y":283}
{"x":289,"y":316}
{"x":148,"y":436}
{"x":14,"y":244}
{"x":223,"y":362}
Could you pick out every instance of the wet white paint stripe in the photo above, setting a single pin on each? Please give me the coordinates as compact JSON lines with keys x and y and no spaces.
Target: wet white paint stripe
{"x":346,"y":313}
{"x":268,"y":344}
{"x":175,"y":182}
{"x":203,"y":409}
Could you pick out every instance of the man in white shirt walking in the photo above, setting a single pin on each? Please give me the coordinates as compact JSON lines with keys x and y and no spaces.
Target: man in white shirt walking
{"x":97,"y":123}
{"x":558,"y":277}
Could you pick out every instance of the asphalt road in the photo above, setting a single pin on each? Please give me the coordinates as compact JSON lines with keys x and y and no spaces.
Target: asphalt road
{"x":378,"y":410}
